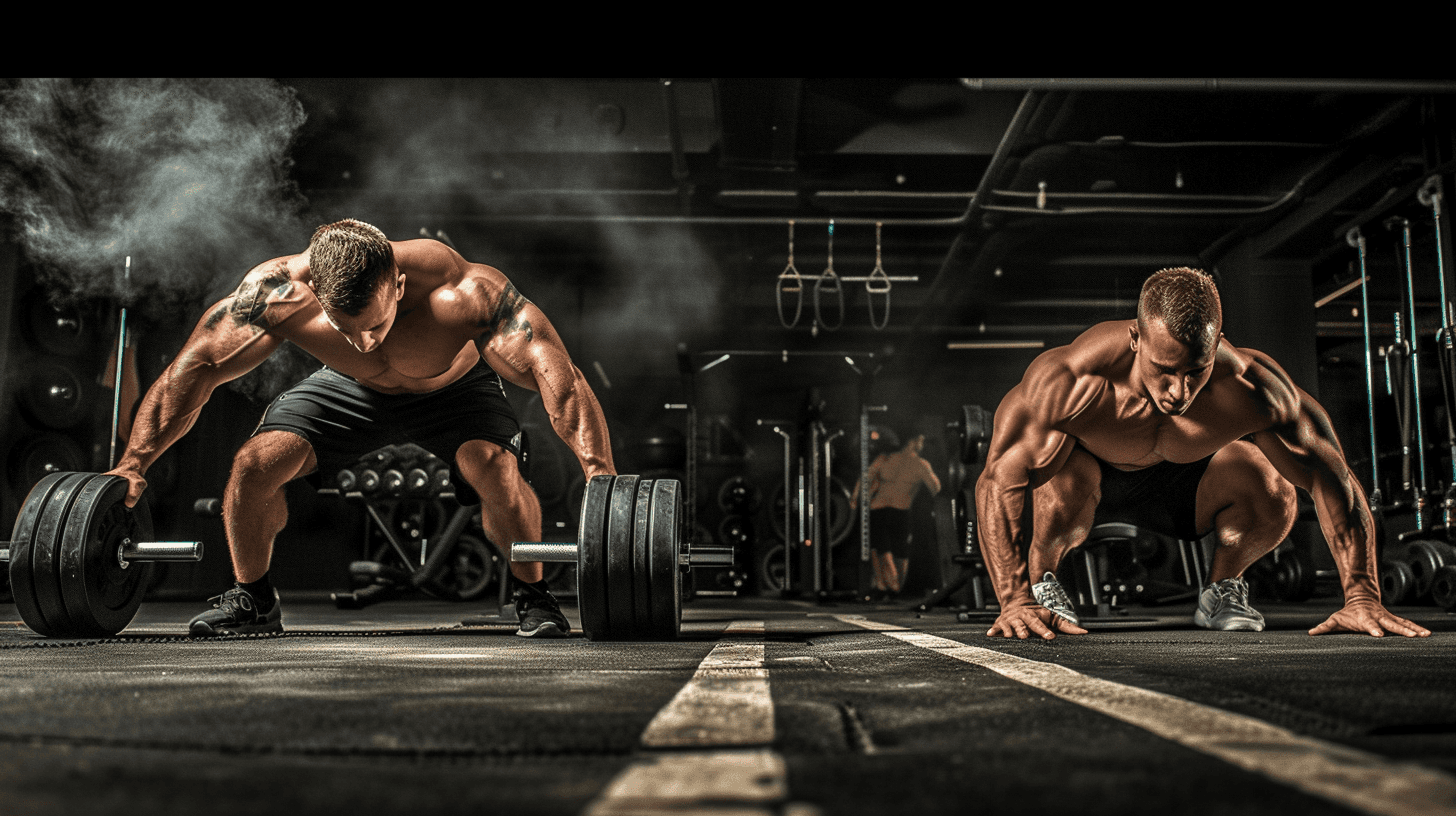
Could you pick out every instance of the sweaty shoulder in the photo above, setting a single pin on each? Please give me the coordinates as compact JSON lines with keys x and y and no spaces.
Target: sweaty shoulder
{"x":471,"y":295}
{"x":1062,"y":382}
{"x":1261,"y":379}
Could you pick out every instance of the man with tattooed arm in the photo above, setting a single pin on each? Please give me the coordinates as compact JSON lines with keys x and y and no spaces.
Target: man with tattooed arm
{"x":414,"y":340}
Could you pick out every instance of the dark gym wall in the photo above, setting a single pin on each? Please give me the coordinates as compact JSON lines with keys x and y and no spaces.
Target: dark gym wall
{"x":1269,"y":305}
{"x":50,"y":408}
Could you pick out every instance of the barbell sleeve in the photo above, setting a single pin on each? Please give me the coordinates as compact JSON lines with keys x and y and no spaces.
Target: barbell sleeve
{"x":161,"y":550}
{"x":564,"y":551}
{"x":710,"y":557}
{"x":142,"y":551}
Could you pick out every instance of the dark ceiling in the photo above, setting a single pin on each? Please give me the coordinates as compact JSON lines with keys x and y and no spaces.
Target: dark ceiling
{"x":1015,"y":211}
{"x":973,"y":221}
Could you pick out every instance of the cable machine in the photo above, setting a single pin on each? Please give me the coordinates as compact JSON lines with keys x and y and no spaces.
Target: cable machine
{"x":811,"y":508}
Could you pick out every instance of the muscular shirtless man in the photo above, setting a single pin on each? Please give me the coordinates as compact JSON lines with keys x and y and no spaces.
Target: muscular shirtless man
{"x":414,"y":340}
{"x":1162,"y":422}
{"x":895,"y":479}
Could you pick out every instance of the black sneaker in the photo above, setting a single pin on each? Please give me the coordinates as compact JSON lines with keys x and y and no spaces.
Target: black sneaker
{"x":539,"y":614}
{"x":235,"y":612}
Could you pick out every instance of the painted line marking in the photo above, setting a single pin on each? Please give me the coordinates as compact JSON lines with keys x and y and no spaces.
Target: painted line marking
{"x":1343,"y":775}
{"x":706,"y":750}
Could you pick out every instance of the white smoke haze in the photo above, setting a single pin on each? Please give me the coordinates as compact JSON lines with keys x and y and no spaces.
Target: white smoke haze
{"x":450,"y":142}
{"x":189,"y":177}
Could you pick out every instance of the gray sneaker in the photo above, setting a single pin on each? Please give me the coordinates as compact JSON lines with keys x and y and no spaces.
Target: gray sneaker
{"x":1049,"y":593}
{"x":1225,"y":606}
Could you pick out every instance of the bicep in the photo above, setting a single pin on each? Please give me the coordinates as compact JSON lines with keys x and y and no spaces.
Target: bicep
{"x":224,"y":345}
{"x":523,"y":347}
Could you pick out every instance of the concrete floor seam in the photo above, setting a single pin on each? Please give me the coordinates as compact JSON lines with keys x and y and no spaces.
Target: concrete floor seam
{"x":1337,"y":773}
{"x":709,"y":750}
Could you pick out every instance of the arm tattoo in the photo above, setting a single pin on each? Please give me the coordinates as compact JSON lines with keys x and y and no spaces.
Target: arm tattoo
{"x":250,"y":302}
{"x":505,"y":318}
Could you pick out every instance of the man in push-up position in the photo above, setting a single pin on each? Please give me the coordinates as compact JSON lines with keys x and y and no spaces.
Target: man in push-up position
{"x":414,"y":340}
{"x":1161,"y":422}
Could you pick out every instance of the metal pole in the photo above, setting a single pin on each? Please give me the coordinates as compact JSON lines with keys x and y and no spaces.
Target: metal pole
{"x":1415,"y":370}
{"x":1357,"y":240}
{"x":788,"y":505}
{"x":829,"y":506}
{"x":1430,"y":195}
{"x":120,"y":364}
{"x":812,"y":537}
{"x":864,"y":483}
{"x":864,"y":478}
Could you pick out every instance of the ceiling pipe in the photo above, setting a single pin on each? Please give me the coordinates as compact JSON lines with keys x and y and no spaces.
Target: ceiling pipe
{"x":1376,"y":124}
{"x":1239,"y":84}
{"x":1009,"y":137}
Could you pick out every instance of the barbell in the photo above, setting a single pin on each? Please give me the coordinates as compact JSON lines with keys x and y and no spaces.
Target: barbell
{"x":630,"y":554}
{"x":80,"y":560}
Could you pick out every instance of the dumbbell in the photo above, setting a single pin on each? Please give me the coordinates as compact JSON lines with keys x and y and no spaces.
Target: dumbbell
{"x":80,"y":559}
{"x":1424,"y":557}
{"x":630,"y":554}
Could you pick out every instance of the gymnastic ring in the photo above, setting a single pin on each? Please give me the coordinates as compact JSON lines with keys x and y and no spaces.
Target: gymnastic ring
{"x":779,"y":295}
{"x":872,"y":288}
{"x":838,"y":290}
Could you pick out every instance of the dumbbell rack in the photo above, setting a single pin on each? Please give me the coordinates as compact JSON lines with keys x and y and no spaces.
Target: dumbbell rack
{"x":388,"y":484}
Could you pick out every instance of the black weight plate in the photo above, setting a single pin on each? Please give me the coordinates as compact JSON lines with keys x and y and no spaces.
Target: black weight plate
{"x":621,"y":614}
{"x":666,"y":528}
{"x":591,"y":557}
{"x":776,"y":511}
{"x":470,"y":570}
{"x":642,"y":559}
{"x":736,"y":531}
{"x":59,"y":330}
{"x":55,"y":394}
{"x":1396,"y":582}
{"x":101,"y":596}
{"x":975,"y":428}
{"x":1425,"y":557}
{"x":1294,"y":579}
{"x":22,"y":557}
{"x":738,"y":495}
{"x":771,"y":569}
{"x":47,"y":552}
{"x":1443,"y":587}
{"x":42,"y":455}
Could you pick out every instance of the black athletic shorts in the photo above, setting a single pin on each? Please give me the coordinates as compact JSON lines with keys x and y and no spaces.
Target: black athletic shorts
{"x":1162,"y":498}
{"x":344,"y":420}
{"x":890,"y":531}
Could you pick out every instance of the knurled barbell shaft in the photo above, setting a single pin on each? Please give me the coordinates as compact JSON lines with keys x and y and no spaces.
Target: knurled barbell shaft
{"x":162,"y":550}
{"x":564,"y":551}
{"x":142,"y":551}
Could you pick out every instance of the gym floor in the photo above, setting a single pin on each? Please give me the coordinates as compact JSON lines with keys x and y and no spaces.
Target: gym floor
{"x":762,"y":706}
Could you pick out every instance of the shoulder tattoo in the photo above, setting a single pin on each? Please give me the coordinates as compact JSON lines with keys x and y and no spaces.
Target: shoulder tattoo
{"x":506,"y":317}
{"x":249,"y":305}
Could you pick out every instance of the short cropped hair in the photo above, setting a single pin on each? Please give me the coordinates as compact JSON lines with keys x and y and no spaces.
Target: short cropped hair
{"x":1186,"y":301}
{"x":348,"y":261}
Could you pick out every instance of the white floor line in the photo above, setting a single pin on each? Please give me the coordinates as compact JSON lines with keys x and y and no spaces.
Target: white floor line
{"x":709,"y":747}
{"x":1343,"y":775}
